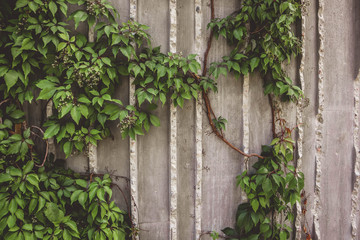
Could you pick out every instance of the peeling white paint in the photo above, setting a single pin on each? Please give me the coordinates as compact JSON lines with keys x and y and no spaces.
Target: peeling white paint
{"x":355,"y":193}
{"x":133,"y":145}
{"x":299,"y":121}
{"x":173,"y":133}
{"x":92,"y":149}
{"x":319,"y":122}
{"x":246,"y":126}
{"x":199,"y":41}
{"x":93,"y":159}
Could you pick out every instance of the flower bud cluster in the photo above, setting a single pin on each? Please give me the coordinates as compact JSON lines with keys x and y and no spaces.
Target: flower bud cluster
{"x":91,"y":79}
{"x":63,"y":58}
{"x":127,"y":122}
{"x":21,"y":25}
{"x":93,"y":7}
{"x":63,"y":101}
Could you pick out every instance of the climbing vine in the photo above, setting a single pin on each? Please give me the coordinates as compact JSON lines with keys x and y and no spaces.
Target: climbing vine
{"x":261,"y":34}
{"x":43,"y":61}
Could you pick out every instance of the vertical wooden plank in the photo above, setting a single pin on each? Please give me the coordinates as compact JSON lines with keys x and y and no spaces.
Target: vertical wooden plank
{"x":335,"y":119}
{"x":221,"y":165}
{"x":309,"y":105}
{"x":185,"y":127}
{"x":186,"y":148}
{"x":260,"y":119}
{"x":77,"y":162}
{"x":153,"y":148}
{"x":113,"y":152}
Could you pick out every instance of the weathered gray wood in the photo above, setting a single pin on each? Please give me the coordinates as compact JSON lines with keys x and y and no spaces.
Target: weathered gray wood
{"x":186,"y":131}
{"x":336,"y":177}
{"x":153,"y":148}
{"x":309,"y":110}
{"x":221,"y":164}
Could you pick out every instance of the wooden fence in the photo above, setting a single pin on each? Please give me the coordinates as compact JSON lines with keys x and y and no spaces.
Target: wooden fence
{"x":182,"y":177}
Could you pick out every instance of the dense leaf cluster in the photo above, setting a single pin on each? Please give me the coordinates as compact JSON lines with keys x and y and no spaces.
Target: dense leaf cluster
{"x":52,"y":204}
{"x":262,"y":36}
{"x":42,"y":59}
{"x":272,"y":190}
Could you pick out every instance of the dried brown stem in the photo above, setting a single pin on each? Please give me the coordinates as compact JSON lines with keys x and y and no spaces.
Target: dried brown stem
{"x":47,"y":146}
{"x":218,"y":134}
{"x":207,"y":100}
{"x":4,"y":101}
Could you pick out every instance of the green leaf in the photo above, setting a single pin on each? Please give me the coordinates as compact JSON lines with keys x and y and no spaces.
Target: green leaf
{"x":32,"y":205}
{"x":254,"y":62}
{"x":155,"y":120}
{"x":53,"y":8}
{"x":65,"y":109}
{"x":81,"y":183}
{"x":84,"y":110}
{"x":11,"y":221}
{"x":13,"y":206}
{"x":17,"y":114}
{"x":267,"y":185}
{"x":162,"y":98}
{"x":53,"y":213}
{"x":67,"y":148}
{"x":66,"y":235}
{"x":27,"y":44}
{"x":11,"y":77}
{"x":161,"y":71}
{"x":70,"y":128}
{"x":33,"y":179}
{"x":283,"y":235}
{"x":284,"y":6}
{"x":106,"y":60}
{"x":82,"y":198}
{"x":5,"y":177}
{"x":51,"y":131}
{"x":46,"y":94}
{"x":21,"y":3}
{"x":75,"y":114}
{"x":238,"y":33}
{"x":28,"y":167}
{"x":75,"y":196}
{"x":79,"y":16}
{"x":33,"y":6}
{"x":15,"y":172}
{"x":255,"y":204}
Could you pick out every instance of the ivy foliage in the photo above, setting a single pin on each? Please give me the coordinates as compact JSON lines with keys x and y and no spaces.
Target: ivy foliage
{"x":273,"y":190}
{"x":262,"y":37}
{"x":51,"y":203}
{"x":43,"y":60}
